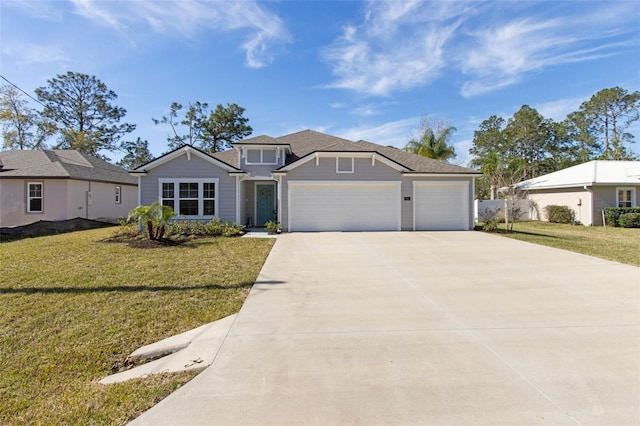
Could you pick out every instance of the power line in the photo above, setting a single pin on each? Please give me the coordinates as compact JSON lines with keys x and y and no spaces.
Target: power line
{"x":20,"y":89}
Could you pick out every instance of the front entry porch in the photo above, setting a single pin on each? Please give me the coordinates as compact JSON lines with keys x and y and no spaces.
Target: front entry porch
{"x":259,"y":203}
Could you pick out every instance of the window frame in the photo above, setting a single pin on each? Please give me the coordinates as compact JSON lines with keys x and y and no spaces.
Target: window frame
{"x":632,"y":196}
{"x":29,"y":197}
{"x":118,"y":194}
{"x":176,"y":195}
{"x":345,"y":171}
{"x":262,"y":162}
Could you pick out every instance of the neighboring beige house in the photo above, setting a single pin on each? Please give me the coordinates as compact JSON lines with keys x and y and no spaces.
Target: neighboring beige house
{"x":62,"y":184}
{"x":587,"y":188}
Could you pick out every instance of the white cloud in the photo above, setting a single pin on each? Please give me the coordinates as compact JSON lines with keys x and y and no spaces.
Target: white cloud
{"x":26,"y":54}
{"x":399,"y":45}
{"x":265,"y":30}
{"x":36,"y":9}
{"x":559,"y":109}
{"x":395,"y":133}
{"x":501,"y":55}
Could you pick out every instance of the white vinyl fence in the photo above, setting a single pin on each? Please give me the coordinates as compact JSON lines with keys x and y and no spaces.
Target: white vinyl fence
{"x":483,"y":207}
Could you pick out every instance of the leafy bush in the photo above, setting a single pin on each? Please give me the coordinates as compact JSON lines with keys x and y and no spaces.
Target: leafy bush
{"x":490,"y":225}
{"x":215,"y":227}
{"x":272,"y":226}
{"x":559,"y":214}
{"x":612,"y":214}
{"x":127,"y":228}
{"x":629,"y":220}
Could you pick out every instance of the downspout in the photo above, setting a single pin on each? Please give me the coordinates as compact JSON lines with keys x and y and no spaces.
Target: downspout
{"x":591,"y":205}
{"x":238,"y":200}
{"x":140,"y":227}
{"x":472,"y":201}
{"x":279,"y":198}
{"x":88,"y":201}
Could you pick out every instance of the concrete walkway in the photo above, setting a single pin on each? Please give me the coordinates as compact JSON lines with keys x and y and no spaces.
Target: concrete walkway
{"x":423,"y":328}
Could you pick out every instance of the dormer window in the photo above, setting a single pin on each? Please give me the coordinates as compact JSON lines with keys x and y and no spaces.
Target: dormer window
{"x":262,"y":156}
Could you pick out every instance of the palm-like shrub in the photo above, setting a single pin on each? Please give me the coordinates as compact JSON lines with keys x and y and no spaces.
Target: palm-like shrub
{"x":155,"y":217}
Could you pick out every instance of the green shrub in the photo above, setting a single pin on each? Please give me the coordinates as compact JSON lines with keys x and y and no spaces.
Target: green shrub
{"x":612,"y":214}
{"x":629,"y":220}
{"x":559,"y":214}
{"x":490,"y":225}
{"x":215,"y":227}
{"x":127,"y":228}
{"x":272,"y":226}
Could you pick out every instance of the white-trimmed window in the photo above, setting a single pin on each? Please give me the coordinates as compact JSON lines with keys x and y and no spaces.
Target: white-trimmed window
{"x":625,"y":197}
{"x":262,"y":156}
{"x":34,"y":197}
{"x":190,"y":197}
{"x":344,"y":165}
{"x":118,"y":195}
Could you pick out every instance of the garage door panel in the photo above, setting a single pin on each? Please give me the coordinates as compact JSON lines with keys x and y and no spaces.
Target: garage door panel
{"x":344,"y":206}
{"x":441,"y":206}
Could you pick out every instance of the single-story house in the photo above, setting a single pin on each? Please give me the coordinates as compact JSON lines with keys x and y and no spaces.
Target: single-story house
{"x":62,"y":184}
{"x":587,"y":188}
{"x":310,"y":181}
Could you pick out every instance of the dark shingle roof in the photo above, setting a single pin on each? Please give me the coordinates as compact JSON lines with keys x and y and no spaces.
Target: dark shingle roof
{"x":60,"y":163}
{"x":417,"y":163}
{"x":229,"y":157}
{"x":307,"y":141}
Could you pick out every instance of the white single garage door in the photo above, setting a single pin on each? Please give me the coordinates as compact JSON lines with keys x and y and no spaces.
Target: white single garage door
{"x":441,"y":206}
{"x":344,"y":206}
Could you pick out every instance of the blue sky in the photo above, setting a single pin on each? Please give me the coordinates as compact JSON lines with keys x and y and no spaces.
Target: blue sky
{"x":359,"y":70}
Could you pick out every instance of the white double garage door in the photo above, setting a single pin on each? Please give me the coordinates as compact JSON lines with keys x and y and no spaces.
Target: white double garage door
{"x":376,"y":206}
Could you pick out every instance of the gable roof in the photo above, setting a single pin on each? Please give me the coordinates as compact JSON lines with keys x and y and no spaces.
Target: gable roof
{"x":306,"y":142}
{"x":60,"y":164}
{"x":301,"y":144}
{"x":596,"y":172}
{"x":186,"y":150}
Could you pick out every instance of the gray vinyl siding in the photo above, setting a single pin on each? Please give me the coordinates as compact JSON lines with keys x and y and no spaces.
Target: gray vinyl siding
{"x":407,"y":191}
{"x":326,"y":171}
{"x":195,"y":168}
{"x":606,"y":196}
{"x":260,"y":170}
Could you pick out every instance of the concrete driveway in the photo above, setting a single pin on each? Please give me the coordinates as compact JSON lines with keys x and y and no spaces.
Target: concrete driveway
{"x":424,"y":328}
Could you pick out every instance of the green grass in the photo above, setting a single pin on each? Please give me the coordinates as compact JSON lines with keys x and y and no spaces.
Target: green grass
{"x":71,"y":307}
{"x":617,"y":244}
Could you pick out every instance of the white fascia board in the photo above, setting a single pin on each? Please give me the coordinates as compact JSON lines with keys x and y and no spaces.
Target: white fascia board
{"x":565,"y":186}
{"x":265,"y":146}
{"x":335,"y":154}
{"x":345,"y":182}
{"x":268,"y":178}
{"x":188,"y":151}
{"x":439,"y":175}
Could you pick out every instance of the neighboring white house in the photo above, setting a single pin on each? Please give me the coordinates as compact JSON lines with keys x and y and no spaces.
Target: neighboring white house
{"x":62,"y":184}
{"x":587,"y":189}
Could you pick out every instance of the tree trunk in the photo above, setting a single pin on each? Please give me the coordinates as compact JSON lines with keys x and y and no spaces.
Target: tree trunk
{"x":150,"y":230}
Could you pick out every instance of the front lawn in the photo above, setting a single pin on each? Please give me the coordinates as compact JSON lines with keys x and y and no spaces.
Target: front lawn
{"x":72,"y":308}
{"x":617,"y":244}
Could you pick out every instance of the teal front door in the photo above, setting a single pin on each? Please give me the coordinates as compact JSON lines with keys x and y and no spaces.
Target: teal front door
{"x":265,"y":203}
